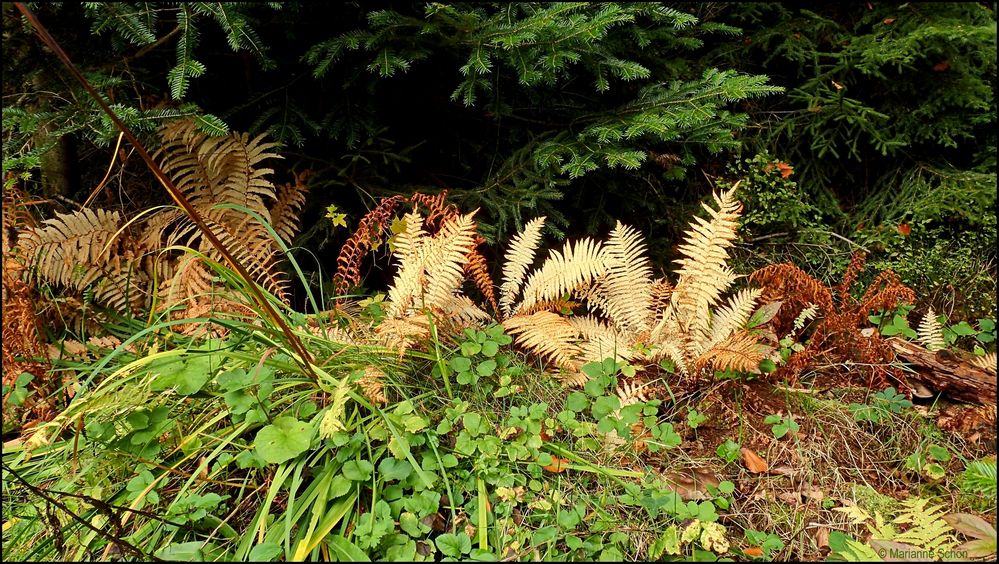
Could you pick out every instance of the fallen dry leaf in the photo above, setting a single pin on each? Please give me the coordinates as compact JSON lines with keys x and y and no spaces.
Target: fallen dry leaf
{"x":790,"y":498}
{"x":558,"y":465}
{"x":753,"y":462}
{"x":822,"y":537}
{"x":692,"y":484}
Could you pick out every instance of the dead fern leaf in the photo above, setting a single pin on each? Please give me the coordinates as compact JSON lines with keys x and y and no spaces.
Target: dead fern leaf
{"x":518,"y":258}
{"x":546,"y":334}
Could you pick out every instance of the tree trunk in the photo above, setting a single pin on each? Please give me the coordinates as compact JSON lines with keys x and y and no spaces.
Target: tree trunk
{"x":945,"y":372}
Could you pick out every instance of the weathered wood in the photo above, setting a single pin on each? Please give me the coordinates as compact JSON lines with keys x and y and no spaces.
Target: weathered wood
{"x":945,"y":372}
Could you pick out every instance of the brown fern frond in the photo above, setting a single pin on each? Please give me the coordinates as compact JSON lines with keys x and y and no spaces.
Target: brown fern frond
{"x":885,"y":292}
{"x":518,"y":258}
{"x":372,"y":385}
{"x":83,"y":250}
{"x":438,"y":210}
{"x":546,"y":334}
{"x":741,"y":352}
{"x":217,"y":170}
{"x":796,"y":288}
{"x":287,"y":209}
{"x":857,"y":263}
{"x":477,"y":270}
{"x":369,"y":231}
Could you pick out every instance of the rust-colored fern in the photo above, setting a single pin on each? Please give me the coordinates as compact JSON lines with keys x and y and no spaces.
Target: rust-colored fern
{"x":838,"y":333}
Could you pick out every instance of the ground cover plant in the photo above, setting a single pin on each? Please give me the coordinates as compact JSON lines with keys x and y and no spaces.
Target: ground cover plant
{"x":450,"y":379}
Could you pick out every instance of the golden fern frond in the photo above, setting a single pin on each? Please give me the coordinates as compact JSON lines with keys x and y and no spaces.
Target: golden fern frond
{"x":546,"y":334}
{"x":669,"y":341}
{"x":432,"y":270}
{"x":731,"y":317}
{"x":704,"y":273}
{"x":287,"y":209}
{"x":410,"y":239}
{"x":372,"y":385}
{"x":564,"y":272}
{"x":930,"y":332}
{"x":518,"y":258}
{"x":600,"y":340}
{"x":628,"y":280}
{"x":986,"y":362}
{"x":741,"y":352}
{"x":446,"y":257}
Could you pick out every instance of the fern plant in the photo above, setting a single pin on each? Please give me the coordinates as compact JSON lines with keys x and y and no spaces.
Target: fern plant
{"x":96,"y":252}
{"x":631,"y":315}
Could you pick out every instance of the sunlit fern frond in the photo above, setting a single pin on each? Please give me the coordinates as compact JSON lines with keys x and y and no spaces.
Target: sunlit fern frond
{"x":670,"y":341}
{"x":731,"y":317}
{"x":563,"y":272}
{"x":431,"y":269}
{"x":986,"y":362}
{"x":704,"y":273}
{"x":930,"y":332}
{"x":546,"y":334}
{"x":410,"y":239}
{"x":600,"y":340}
{"x":741,"y":352}
{"x":628,"y":279}
{"x":460,"y":311}
{"x":446,"y":257}
{"x":518,"y":258}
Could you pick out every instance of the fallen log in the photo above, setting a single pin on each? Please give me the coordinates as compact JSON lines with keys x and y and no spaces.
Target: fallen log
{"x":946,"y":372}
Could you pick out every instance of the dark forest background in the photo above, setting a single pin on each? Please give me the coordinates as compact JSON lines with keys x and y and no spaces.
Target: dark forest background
{"x":850,"y":125}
